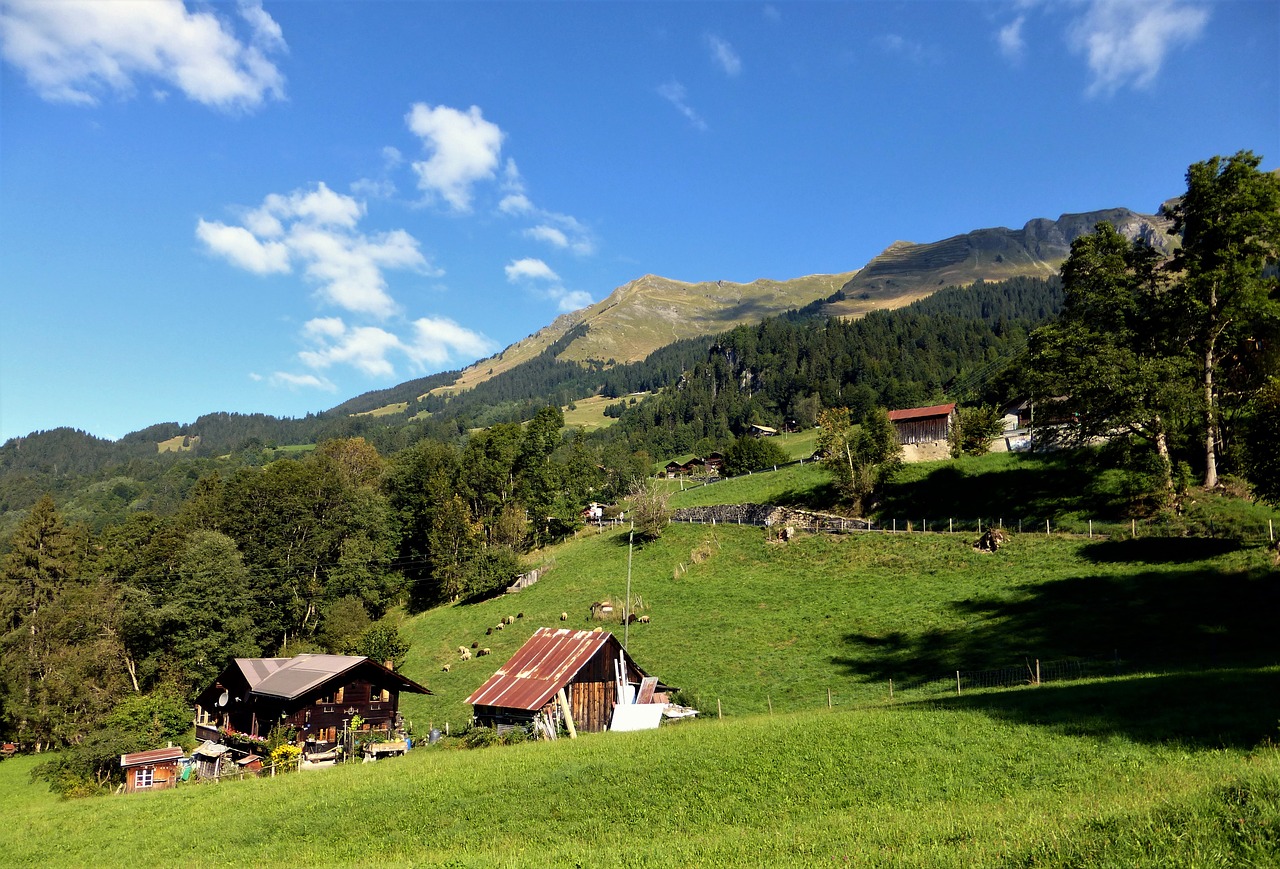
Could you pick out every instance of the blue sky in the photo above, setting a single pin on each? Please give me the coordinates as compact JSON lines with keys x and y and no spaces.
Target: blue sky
{"x":275,"y":207}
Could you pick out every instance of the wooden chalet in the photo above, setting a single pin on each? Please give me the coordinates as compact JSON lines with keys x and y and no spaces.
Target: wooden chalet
{"x":156,"y":769}
{"x":315,"y":694}
{"x":585,"y":664}
{"x":763,"y":431}
{"x":923,"y":425}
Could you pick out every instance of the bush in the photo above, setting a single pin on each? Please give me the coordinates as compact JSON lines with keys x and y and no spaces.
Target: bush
{"x":481,"y":737}
{"x":749,"y":453}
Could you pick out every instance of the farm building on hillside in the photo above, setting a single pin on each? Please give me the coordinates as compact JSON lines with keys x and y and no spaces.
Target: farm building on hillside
{"x":585,"y":664}
{"x":763,"y":431}
{"x":151,"y":770}
{"x":923,"y":425}
{"x":316,"y":694}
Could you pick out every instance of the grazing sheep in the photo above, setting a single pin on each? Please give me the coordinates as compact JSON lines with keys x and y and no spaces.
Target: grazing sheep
{"x":519,"y":615}
{"x":475,"y":645}
{"x":482,"y":653}
{"x":489,"y":632}
{"x":644,"y":620}
{"x":445,"y":668}
{"x":461,"y":649}
{"x":564,"y":617}
{"x":510,"y":620}
{"x":466,"y":654}
{"x":499,"y":626}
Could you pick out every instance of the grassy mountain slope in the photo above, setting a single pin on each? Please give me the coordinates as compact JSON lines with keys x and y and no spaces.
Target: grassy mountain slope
{"x":651,"y":312}
{"x":906,"y":271}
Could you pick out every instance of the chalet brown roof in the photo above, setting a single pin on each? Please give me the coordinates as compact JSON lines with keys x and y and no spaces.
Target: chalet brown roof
{"x":547,"y":662}
{"x":155,"y":755}
{"x":922,"y":412}
{"x":288,"y":678}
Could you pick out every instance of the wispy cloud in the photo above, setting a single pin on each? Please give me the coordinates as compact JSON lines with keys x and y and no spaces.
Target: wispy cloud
{"x":301,"y":381}
{"x":464,"y":149}
{"x":75,"y":51}
{"x":540,"y":277}
{"x":910,"y":49}
{"x":1010,"y":40}
{"x":1125,"y":41}
{"x":674,"y":93}
{"x":724,"y":55}
{"x":317,"y":231}
{"x":561,"y":231}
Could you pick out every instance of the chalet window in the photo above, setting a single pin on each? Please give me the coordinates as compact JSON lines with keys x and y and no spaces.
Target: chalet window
{"x":378,"y":696}
{"x":330,"y":699}
{"x":144,"y":777}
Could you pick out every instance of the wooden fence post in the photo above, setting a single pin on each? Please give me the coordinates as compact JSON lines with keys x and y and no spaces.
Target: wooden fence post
{"x":1046,"y":526}
{"x":769,"y":697}
{"x":1037,"y":671}
{"x":957,"y":683}
{"x":828,"y":697}
{"x":890,"y":690}
{"x":1090,"y":529}
{"x":719,"y":711}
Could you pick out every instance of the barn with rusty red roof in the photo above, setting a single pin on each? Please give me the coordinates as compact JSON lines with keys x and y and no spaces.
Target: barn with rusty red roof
{"x":590,"y":666}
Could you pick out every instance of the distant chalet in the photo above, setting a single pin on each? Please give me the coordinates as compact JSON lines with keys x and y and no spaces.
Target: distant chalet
{"x":316,"y":694}
{"x":923,"y":425}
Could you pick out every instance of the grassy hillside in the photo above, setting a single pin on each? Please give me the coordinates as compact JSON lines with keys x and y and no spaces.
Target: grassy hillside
{"x":751,"y":622}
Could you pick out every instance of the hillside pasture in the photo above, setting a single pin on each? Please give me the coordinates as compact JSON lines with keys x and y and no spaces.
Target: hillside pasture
{"x":588,"y":414}
{"x":755,"y":624}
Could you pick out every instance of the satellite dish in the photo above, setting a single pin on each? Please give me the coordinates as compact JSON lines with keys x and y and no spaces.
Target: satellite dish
{"x":223,"y":698}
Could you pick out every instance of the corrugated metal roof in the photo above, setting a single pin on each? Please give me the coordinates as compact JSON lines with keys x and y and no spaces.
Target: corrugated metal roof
{"x":547,"y":662}
{"x":922,"y":412}
{"x":155,"y":755}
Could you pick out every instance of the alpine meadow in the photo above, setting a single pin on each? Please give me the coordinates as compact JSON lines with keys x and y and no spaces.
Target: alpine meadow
{"x":967,"y":556}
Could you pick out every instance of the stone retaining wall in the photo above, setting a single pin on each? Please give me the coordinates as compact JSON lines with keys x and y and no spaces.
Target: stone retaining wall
{"x":768,"y":516}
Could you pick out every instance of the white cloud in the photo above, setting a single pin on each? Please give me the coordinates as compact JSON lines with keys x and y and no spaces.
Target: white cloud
{"x":1125,"y":41}
{"x":724,"y":55}
{"x":572,"y":300}
{"x":463,"y":147}
{"x":365,"y":348}
{"x":74,"y":51}
{"x":558,"y":230}
{"x":300,"y":381}
{"x":529,"y":269}
{"x":316,"y":230}
{"x":243,"y":248}
{"x":1009,"y":38}
{"x":674,"y":93}
{"x":437,"y":340}
{"x":371,"y":350}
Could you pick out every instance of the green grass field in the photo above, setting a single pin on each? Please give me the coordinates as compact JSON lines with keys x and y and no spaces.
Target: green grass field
{"x":906,"y":785}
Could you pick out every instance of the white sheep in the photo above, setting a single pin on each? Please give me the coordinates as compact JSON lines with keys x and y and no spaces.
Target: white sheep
{"x":465,"y":654}
{"x":564,"y":617}
{"x":481,"y":653}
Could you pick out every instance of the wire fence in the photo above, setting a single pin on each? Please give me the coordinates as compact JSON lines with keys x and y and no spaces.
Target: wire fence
{"x":1033,"y":671}
{"x":1242,"y":529}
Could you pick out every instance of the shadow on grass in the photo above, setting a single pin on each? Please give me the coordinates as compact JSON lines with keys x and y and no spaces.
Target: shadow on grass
{"x":1231,"y":708}
{"x":1035,"y":487}
{"x":1158,"y":550}
{"x":1151,"y":620}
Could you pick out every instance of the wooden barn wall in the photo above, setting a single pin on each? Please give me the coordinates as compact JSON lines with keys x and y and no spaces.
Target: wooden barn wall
{"x":921,"y":431}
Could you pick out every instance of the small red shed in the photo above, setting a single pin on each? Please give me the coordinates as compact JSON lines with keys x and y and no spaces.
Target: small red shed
{"x":151,"y":770}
